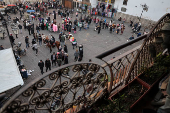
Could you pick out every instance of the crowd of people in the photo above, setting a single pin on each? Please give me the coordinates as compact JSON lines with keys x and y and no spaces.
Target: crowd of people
{"x":65,"y":29}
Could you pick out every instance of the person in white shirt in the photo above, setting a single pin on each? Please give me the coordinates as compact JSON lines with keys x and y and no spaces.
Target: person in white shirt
{"x":35,"y":46}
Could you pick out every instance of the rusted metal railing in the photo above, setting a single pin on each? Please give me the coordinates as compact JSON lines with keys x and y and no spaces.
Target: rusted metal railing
{"x":144,"y":57}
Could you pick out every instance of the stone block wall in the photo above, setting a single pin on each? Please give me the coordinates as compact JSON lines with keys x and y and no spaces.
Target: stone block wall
{"x":144,"y":22}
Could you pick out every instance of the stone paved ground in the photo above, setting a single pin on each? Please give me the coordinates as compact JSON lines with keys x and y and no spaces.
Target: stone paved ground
{"x":94,"y":44}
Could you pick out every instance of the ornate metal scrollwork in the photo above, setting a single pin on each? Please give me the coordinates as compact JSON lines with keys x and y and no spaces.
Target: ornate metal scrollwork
{"x":17,"y":107}
{"x":73,"y":85}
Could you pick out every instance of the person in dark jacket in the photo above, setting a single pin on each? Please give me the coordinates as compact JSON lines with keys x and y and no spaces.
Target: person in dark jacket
{"x":54,"y":15}
{"x":65,"y":58}
{"x":53,"y":58}
{"x":29,"y":29}
{"x":59,"y":59}
{"x":20,"y":28}
{"x":11,"y":39}
{"x":65,"y":48}
{"x":24,"y":24}
{"x":48,"y":64}
{"x":27,"y":41}
{"x":32,"y":29}
{"x":110,"y":29}
{"x":1,"y":47}
{"x":99,"y":28}
{"x":38,"y":29}
{"x":41,"y":65}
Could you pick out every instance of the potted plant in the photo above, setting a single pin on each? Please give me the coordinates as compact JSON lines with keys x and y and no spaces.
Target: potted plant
{"x":123,"y":100}
{"x":157,"y":70}
{"x":152,"y":50}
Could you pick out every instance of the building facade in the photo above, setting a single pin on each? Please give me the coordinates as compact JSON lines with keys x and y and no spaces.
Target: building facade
{"x":147,"y":9}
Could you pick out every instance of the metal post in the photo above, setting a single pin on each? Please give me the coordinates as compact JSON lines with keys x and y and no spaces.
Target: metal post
{"x":140,"y":16}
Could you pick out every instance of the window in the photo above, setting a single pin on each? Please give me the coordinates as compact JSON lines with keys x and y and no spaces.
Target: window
{"x":112,"y":1}
{"x":123,"y":9}
{"x":125,"y":2}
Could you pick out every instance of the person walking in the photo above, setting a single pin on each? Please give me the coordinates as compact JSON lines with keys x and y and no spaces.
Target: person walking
{"x":35,"y":46}
{"x":41,"y":65}
{"x":53,"y":58}
{"x":27,"y":41}
{"x":76,"y":55}
{"x":48,"y":64}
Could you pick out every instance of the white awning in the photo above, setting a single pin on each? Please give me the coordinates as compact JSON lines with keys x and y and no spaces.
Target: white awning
{"x":10,"y":76}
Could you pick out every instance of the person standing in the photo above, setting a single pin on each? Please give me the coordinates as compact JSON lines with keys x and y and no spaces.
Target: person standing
{"x":37,"y":28}
{"x":24,"y":24}
{"x":20,"y":28}
{"x":48,"y":64}
{"x":53,"y":58}
{"x":65,"y":48}
{"x":40,"y":39}
{"x":27,"y":41}
{"x":74,"y":29}
{"x":99,"y":28}
{"x":59,"y":59}
{"x":65,"y":58}
{"x":74,"y":43}
{"x":62,"y":40}
{"x":114,"y":26}
{"x":29,"y":29}
{"x":32,"y":29}
{"x":54,"y":15}
{"x":80,"y":25}
{"x":11,"y":39}
{"x":76,"y":55}
{"x":110,"y":29}
{"x":41,"y":65}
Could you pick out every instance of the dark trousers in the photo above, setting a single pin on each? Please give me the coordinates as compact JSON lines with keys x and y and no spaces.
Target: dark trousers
{"x":98,"y":31}
{"x":29,"y":32}
{"x":75,"y":58}
{"x":53,"y":61}
{"x":48,"y":67}
{"x":41,"y":68}
{"x":36,"y":50}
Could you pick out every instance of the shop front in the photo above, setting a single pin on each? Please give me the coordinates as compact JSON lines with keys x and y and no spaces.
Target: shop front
{"x":105,"y":9}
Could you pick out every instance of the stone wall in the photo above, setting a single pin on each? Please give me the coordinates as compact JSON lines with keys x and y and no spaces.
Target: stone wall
{"x":144,"y":22}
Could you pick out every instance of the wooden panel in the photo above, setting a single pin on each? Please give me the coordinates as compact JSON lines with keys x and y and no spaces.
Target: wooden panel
{"x":68,"y":4}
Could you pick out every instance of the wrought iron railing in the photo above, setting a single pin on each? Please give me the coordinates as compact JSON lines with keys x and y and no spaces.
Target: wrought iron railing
{"x":144,"y":57}
{"x":78,"y":84}
{"x":119,"y":68}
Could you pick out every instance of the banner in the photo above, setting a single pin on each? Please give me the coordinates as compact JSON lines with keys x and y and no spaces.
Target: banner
{"x":108,"y":2}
